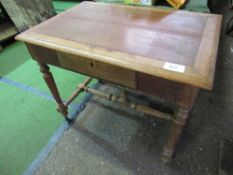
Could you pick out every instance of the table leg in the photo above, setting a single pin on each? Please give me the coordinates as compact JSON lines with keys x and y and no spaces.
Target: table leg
{"x":124,"y":96}
{"x":181,"y":116}
{"x":48,"y":77}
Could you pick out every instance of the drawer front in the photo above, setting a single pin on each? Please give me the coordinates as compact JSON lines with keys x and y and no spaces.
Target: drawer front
{"x":85,"y":66}
{"x":99,"y":70}
{"x":177,"y":93}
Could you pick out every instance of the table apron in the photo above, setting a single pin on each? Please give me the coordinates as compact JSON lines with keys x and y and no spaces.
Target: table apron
{"x":174,"y":92}
{"x":86,"y":66}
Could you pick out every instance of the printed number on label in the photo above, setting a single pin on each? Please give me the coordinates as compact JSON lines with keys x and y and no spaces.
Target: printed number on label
{"x":174,"y":67}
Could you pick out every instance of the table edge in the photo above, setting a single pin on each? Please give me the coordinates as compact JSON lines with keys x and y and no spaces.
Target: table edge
{"x":153,"y":67}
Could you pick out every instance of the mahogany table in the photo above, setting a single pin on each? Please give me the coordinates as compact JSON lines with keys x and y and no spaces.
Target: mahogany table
{"x":166,"y":53}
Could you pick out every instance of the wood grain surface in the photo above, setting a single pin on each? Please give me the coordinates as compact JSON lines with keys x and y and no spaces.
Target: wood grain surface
{"x":137,"y":38}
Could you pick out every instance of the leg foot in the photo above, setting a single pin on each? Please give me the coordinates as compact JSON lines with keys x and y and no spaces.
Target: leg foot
{"x":124,"y":96}
{"x":181,"y":116}
{"x":70,"y":121}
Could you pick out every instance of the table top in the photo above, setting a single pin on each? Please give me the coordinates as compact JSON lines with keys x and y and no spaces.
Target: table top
{"x":174,"y":45}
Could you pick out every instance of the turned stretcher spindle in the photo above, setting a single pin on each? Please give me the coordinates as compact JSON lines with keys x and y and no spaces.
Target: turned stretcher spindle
{"x":78,"y":91}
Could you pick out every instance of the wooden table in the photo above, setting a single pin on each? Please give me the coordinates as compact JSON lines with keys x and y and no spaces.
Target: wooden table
{"x":169,"y":54}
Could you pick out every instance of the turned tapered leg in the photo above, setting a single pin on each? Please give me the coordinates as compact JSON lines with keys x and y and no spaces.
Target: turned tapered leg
{"x":124,"y":96}
{"x":184,"y":105}
{"x":48,"y":77}
{"x":181,"y":116}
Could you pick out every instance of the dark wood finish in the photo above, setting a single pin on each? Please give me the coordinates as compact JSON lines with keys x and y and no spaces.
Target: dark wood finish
{"x":78,"y":91}
{"x":48,"y":77}
{"x":182,"y":95}
{"x":115,"y":74}
{"x":139,"y":38}
{"x":181,"y":115}
{"x":118,"y":30}
{"x":163,"y":89}
{"x":131,"y":46}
